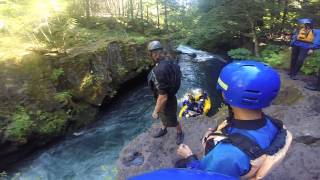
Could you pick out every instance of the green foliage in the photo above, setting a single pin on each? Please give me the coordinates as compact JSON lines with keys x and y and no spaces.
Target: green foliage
{"x":56,"y":74}
{"x":24,"y":123}
{"x":121,"y":70}
{"x":63,"y":97}
{"x":312,"y":63}
{"x":59,"y":31}
{"x":21,"y":125}
{"x":273,"y":55}
{"x":240,"y":53}
{"x":51,"y":123}
{"x":89,"y":80}
{"x":271,"y":48}
{"x":273,"y":59}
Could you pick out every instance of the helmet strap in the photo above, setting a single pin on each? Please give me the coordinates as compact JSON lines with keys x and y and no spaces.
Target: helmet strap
{"x":230,"y":113}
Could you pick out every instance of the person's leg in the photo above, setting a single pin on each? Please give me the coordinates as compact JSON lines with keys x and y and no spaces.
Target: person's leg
{"x":303,"y":53}
{"x":294,"y":57}
{"x":178,"y":127}
{"x":163,"y":130}
{"x":180,"y":135}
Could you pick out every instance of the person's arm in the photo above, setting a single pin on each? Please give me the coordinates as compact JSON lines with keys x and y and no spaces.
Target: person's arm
{"x":293,"y":37}
{"x":226,"y":159}
{"x":192,"y":161}
{"x":161,"y":101}
{"x":316,"y":41}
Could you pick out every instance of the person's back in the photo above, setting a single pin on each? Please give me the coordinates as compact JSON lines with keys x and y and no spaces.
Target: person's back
{"x":228,"y":159}
{"x":166,"y":75}
{"x":241,"y":145}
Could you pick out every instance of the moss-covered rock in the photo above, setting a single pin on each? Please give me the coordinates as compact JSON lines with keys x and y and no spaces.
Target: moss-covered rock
{"x":46,"y":94}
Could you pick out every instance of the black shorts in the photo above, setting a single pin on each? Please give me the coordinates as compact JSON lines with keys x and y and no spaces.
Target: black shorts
{"x":169,"y":115}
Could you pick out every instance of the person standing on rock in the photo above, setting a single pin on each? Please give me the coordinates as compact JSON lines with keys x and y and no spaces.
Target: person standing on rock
{"x":249,"y":143}
{"x":304,"y":42}
{"x":164,"y":80}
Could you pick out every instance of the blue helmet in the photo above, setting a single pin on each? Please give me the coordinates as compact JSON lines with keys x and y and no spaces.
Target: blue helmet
{"x":249,"y":84}
{"x":305,"y":21}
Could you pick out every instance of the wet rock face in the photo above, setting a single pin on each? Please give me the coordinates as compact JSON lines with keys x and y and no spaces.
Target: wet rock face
{"x":95,"y":73}
{"x":44,"y":95}
{"x":297,"y":107}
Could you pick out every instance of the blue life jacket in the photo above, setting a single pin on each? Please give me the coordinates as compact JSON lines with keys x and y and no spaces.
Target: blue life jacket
{"x":192,"y":106}
{"x":228,"y":159}
{"x":314,"y":45}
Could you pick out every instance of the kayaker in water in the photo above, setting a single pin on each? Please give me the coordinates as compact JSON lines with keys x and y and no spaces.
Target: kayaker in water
{"x":164,"y":80}
{"x":197,"y":103}
{"x":202,"y":100}
{"x":192,"y":107}
{"x":249,"y":143}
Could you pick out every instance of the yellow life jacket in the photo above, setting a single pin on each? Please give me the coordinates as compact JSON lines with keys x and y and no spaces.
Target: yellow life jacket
{"x":305,"y":35}
{"x":262,"y":165}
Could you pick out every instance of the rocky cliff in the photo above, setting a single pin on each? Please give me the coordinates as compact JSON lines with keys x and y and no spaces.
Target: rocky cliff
{"x":297,"y":107}
{"x":45,"y":94}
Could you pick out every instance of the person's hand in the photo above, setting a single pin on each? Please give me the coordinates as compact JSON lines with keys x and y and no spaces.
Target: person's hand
{"x":290,"y":48}
{"x":155,"y":115}
{"x":184,"y":151}
{"x":310,"y":51}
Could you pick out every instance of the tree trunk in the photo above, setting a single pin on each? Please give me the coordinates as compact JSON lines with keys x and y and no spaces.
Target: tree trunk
{"x":87,"y":4}
{"x":165,"y":15}
{"x":131,"y":8}
{"x":122,"y":5}
{"x":284,"y":16}
{"x":254,"y":36}
{"x":141,"y":10}
{"x":147,"y":13}
{"x":158,"y":15}
{"x":119,"y":9}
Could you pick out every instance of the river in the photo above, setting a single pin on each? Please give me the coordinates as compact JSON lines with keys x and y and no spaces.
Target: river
{"x":92,"y":153}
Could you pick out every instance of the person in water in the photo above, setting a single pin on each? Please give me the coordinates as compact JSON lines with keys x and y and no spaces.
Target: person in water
{"x":192,"y":106}
{"x":303,"y":43}
{"x":202,"y":97}
{"x":164,"y":80}
{"x":249,"y":143}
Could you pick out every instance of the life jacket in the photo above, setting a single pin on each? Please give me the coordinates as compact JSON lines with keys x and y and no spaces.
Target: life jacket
{"x":204,"y":103}
{"x":262,"y":161}
{"x":190,"y":109}
{"x":306,"y":35}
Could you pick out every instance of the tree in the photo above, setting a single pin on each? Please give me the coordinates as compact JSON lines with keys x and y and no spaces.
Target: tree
{"x":233,"y":18}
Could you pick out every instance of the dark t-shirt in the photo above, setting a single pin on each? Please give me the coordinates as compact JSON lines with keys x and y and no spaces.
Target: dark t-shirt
{"x":165,"y":78}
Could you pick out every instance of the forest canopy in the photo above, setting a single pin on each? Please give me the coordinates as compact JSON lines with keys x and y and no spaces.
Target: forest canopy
{"x":206,"y":24}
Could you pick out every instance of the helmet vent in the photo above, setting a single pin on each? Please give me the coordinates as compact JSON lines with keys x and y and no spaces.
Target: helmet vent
{"x":253,"y":91}
{"x":248,"y":65}
{"x":250,"y":99}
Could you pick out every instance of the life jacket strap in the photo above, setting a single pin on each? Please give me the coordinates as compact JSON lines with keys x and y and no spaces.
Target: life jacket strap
{"x":245,"y":144}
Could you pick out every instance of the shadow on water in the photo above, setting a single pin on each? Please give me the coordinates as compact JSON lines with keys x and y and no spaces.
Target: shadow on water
{"x":92,"y":153}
